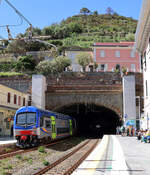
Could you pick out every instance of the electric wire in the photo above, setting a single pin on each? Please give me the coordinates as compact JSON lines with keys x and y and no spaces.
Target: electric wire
{"x":15,"y":25}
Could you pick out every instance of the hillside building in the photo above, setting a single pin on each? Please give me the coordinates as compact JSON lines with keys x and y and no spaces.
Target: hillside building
{"x":10,"y":101}
{"x":72,"y":53}
{"x":142,"y":44}
{"x":111,"y":56}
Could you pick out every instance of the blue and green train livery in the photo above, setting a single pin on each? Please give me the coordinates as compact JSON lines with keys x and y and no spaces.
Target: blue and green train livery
{"x":33,"y":125}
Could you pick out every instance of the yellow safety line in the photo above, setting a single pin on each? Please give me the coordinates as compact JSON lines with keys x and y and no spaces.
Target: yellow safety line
{"x":95,"y":157}
{"x":101,"y":150}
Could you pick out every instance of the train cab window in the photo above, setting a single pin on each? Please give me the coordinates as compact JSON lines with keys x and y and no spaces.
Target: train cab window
{"x":47,"y":124}
{"x":31,"y":118}
{"x":27,"y":118}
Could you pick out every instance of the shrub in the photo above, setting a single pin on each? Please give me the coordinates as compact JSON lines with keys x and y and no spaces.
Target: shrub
{"x":18,"y":156}
{"x":25,"y":63}
{"x":45,"y":162}
{"x":41,"y":149}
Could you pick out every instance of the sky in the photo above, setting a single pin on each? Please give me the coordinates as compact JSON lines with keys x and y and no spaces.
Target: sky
{"x":42,"y":13}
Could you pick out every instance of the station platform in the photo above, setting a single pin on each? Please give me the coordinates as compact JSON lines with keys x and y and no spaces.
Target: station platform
{"x":7,"y":141}
{"x":117,"y":155}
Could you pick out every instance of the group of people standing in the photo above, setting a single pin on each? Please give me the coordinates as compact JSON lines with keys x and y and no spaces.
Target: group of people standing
{"x":142,"y":135}
{"x":126,"y":131}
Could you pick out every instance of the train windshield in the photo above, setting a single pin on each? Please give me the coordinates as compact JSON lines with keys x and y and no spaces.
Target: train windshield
{"x":27,"y":118}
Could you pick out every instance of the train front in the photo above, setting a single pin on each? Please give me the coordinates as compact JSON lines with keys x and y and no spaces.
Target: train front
{"x":25,"y":127}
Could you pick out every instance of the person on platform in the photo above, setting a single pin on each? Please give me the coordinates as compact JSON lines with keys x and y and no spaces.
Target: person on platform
{"x":123,"y":131}
{"x":139,"y":135}
{"x":146,"y":137}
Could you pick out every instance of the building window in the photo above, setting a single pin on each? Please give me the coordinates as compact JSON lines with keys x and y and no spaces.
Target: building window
{"x":141,"y":62}
{"x":117,"y":53}
{"x":8,"y":97}
{"x":146,"y":86}
{"x":132,"y":67}
{"x":103,"y":67}
{"x":132,"y":54}
{"x":15,"y":99}
{"x":145,"y":59}
{"x":117,"y":67}
{"x":102,"y":53}
{"x":19,"y":101}
{"x":24,"y":101}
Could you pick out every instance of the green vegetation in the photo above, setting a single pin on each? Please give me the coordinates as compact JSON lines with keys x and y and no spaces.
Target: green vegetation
{"x":80,"y":32}
{"x":8,"y":149}
{"x":83,"y":30}
{"x":84,"y":59}
{"x":25,"y":63}
{"x":45,"y":162}
{"x":55,"y":66}
{"x":41,"y":149}
{"x":18,"y":156}
{"x":8,"y":74}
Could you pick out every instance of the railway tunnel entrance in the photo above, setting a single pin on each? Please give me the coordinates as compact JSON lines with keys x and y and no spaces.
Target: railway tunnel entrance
{"x":93,"y":120}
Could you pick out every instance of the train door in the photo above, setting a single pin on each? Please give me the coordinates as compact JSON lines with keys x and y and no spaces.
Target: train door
{"x":70,"y":125}
{"x":47,"y":125}
{"x":53,"y":124}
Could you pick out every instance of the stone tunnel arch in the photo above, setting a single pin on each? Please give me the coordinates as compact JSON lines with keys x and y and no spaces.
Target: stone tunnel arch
{"x":93,"y":119}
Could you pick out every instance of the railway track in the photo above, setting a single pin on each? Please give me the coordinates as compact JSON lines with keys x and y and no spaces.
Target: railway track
{"x":70,"y":161}
{"x":21,"y":151}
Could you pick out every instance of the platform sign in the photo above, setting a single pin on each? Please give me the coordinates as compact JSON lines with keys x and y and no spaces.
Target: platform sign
{"x":130,"y":123}
{"x":125,"y":116}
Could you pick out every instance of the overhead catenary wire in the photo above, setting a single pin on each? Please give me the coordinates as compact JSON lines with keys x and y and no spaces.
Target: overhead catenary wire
{"x":30,"y":37}
{"x":15,"y":25}
{"x":19,"y":13}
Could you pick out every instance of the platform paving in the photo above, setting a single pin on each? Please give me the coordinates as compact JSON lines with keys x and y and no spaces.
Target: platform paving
{"x":117,"y":155}
{"x":137,"y":155}
{"x":7,"y":140}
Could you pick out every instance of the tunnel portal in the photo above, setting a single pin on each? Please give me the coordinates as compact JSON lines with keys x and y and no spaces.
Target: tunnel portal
{"x":93,"y":120}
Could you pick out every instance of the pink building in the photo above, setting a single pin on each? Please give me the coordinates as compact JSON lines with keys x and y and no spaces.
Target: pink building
{"x":110,"y":56}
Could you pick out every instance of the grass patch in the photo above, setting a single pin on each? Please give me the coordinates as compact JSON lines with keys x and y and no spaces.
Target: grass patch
{"x":18,"y":156}
{"x":7,"y":149}
{"x":41,"y":149}
{"x":30,"y":161}
{"x":8,"y":74}
{"x":45,"y":162}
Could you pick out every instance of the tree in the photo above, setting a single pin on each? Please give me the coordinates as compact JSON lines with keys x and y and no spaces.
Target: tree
{"x":85,"y":11}
{"x":95,"y":13}
{"x":54,"y":66}
{"x":17,"y":46}
{"x":95,"y":65}
{"x":124,"y":70}
{"x":61,"y":62}
{"x":109,"y":11}
{"x":25,"y":63}
{"x":130,"y":37}
{"x":84,"y":59}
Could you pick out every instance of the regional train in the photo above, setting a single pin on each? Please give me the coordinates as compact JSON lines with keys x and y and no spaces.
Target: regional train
{"x":33,"y":126}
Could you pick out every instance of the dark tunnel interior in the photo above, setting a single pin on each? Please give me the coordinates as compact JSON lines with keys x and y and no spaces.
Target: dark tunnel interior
{"x":92,"y":120}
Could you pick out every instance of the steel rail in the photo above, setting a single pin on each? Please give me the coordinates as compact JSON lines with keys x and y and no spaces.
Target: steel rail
{"x":54,"y":164}
{"x":69,"y":171}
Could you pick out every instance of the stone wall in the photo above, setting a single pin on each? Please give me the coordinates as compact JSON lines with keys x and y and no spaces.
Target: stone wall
{"x":20,"y":83}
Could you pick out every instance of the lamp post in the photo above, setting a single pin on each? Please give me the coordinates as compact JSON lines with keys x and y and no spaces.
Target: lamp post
{"x":139,"y":112}
{"x":147,"y":121}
